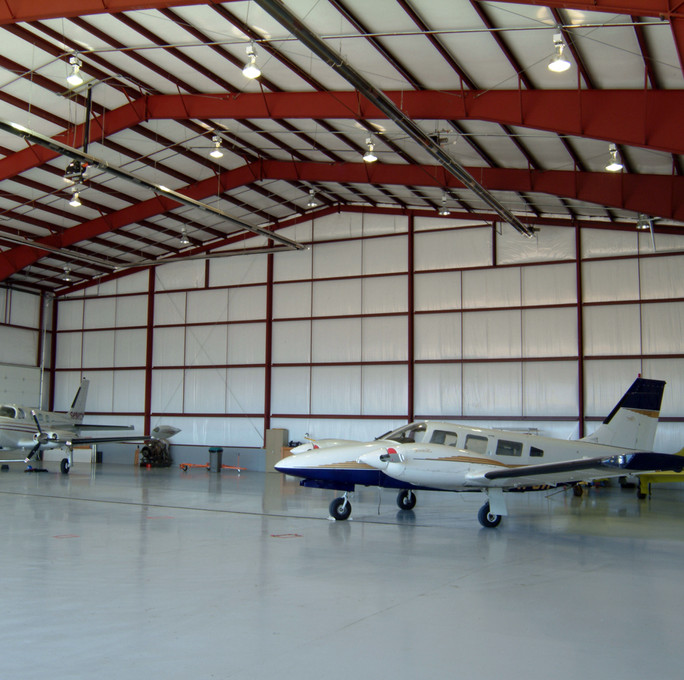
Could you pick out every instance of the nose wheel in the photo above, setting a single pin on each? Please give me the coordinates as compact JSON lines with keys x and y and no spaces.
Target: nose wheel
{"x":340,"y":508}
{"x":406,"y":499}
{"x":488,"y":519}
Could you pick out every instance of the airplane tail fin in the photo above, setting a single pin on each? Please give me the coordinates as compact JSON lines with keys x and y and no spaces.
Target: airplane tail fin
{"x":77,"y":410}
{"x":632,"y":423}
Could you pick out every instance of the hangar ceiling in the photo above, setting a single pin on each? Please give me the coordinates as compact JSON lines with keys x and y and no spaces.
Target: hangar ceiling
{"x":466,"y":83}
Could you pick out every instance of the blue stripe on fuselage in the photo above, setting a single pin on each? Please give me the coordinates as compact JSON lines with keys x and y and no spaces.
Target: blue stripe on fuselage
{"x":343,"y":479}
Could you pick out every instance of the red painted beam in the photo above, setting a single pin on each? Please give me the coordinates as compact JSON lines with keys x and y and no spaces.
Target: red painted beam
{"x":655,"y":195}
{"x":101,"y":127}
{"x":645,"y":118}
{"x":13,"y":11}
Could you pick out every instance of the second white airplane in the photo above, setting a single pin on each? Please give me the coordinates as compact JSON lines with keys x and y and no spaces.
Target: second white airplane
{"x":451,"y":457}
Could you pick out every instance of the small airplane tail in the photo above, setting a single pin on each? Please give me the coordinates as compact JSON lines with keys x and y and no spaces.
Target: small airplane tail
{"x":632,"y":423}
{"x":77,"y":410}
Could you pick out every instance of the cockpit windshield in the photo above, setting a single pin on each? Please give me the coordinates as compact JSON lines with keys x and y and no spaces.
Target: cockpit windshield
{"x":8,"y":411}
{"x":414,"y":432}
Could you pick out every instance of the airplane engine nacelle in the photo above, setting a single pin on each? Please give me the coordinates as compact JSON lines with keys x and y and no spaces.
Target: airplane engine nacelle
{"x":46,"y":439}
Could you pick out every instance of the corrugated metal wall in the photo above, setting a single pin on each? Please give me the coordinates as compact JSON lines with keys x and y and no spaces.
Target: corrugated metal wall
{"x":487,"y":326}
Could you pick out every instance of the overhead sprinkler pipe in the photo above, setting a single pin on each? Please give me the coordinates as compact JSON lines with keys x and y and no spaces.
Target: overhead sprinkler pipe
{"x":293,"y":24}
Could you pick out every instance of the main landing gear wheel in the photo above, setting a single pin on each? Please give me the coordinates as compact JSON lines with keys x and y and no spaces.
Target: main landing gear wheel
{"x":488,"y":519}
{"x":64,"y":466}
{"x":340,"y":509}
{"x":406,"y":499}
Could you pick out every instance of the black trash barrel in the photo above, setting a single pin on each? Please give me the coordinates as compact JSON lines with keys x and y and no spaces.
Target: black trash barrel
{"x":215,"y":459}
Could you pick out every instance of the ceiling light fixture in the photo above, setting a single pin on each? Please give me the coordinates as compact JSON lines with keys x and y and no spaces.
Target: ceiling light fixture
{"x":74,"y":78}
{"x":443,"y":210}
{"x":251,"y":70}
{"x":558,"y":63}
{"x":184,"y":240}
{"x":614,"y":162}
{"x":75,"y":201}
{"x":643,"y":222}
{"x":313,"y":203}
{"x":67,"y":274}
{"x":216,"y":153}
{"x":75,"y":172}
{"x":369,"y":156}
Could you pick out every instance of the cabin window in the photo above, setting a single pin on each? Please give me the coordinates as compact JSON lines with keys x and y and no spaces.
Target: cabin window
{"x":444,"y":437}
{"x":476,"y":443}
{"x":414,"y":432}
{"x":505,"y":447}
{"x":534,"y":451}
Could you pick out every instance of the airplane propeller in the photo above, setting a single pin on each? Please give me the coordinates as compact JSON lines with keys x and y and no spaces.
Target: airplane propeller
{"x":40,"y":438}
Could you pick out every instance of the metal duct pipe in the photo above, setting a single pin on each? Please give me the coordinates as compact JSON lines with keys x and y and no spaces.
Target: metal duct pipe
{"x":388,"y":107}
{"x":71,"y":152}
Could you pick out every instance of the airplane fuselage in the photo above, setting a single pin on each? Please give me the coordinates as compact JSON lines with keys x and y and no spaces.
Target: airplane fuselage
{"x":18,"y":427}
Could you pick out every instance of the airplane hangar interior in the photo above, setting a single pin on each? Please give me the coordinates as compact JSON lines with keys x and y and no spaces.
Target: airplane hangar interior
{"x":341,"y":329}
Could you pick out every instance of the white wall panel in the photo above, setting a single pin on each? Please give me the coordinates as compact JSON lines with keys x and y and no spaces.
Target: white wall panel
{"x":133,"y":283}
{"x":69,"y":346}
{"x":247,"y":343}
{"x":98,"y":349}
{"x":290,"y":389}
{"x":291,"y":300}
{"x":131,"y":310}
{"x":336,"y":340}
{"x":18,"y":346}
{"x":169,"y":308}
{"x":437,"y":291}
{"x":184,"y":274}
{"x":291,"y":342}
{"x":336,"y":389}
{"x":223,"y":431}
{"x":129,"y":391}
{"x":205,"y":390}
{"x":662,"y":277}
{"x":130,"y":347}
{"x":437,"y":336}
{"x":437,"y":390}
{"x":322,"y":428}
{"x":663,"y":328}
{"x":339,"y":226}
{"x":384,"y":389}
{"x":549,"y":284}
{"x":25,"y":309}
{"x":293,"y":265}
{"x":550,"y":388}
{"x":385,"y":255}
{"x":69,"y":315}
{"x":608,"y":281}
{"x":337,"y":259}
{"x":167,"y":391}
{"x":245,"y":390}
{"x":548,"y":244}
{"x":337,"y":297}
{"x":100,"y":392}
{"x":233,"y":271}
{"x":453,"y":249}
{"x":384,"y":294}
{"x":612,"y":330}
{"x":206,"y":345}
{"x":489,"y":335}
{"x":383,"y":224}
{"x":604,"y":383}
{"x":207,"y":306}
{"x":247,"y":303}
{"x":492,"y":388}
{"x":19,"y":384}
{"x":100,"y":313}
{"x":602,"y":242}
{"x":169,"y":346}
{"x":550,"y":332}
{"x":385,"y":338}
{"x":492,"y":288}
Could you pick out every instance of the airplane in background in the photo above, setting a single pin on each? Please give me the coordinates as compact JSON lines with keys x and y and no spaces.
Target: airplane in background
{"x":441,"y":456}
{"x":22,"y":427}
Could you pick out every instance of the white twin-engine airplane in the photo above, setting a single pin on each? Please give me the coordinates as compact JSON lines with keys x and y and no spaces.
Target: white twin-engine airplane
{"x":444,"y":456}
{"x":22,"y":427}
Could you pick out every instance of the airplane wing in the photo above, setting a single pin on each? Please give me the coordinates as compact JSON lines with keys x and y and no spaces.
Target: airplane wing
{"x":81,"y":427}
{"x":586,"y":469}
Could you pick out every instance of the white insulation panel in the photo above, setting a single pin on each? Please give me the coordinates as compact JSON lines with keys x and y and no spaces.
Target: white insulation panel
{"x":291,"y":342}
{"x":441,"y":290}
{"x":492,"y":388}
{"x":336,"y":389}
{"x":437,"y":336}
{"x":549,"y":243}
{"x":19,"y":346}
{"x":291,"y":389}
{"x":612,"y":330}
{"x":610,"y":281}
{"x":453,"y":249}
{"x":384,"y":389}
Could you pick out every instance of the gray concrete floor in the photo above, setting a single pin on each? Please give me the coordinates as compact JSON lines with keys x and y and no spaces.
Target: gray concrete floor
{"x":126,"y":573}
